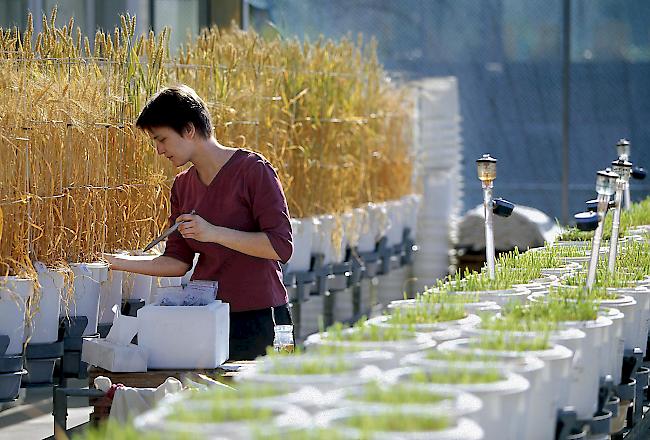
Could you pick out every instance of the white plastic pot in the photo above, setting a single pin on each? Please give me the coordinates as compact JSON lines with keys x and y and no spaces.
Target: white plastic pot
{"x":396,"y":220}
{"x":44,"y":325}
{"x":541,"y":408}
{"x":634,"y":315}
{"x":362,"y":370}
{"x":135,"y":285}
{"x":595,"y":361}
{"x":641,"y":323}
{"x":501,"y":297}
{"x":352,"y":224}
{"x":502,"y":400}
{"x":14,"y":293}
{"x":412,"y":204}
{"x":374,"y":225}
{"x":550,"y":391}
{"x":158,"y":421}
{"x":441,"y":331}
{"x":330,"y":239}
{"x":87,"y":284}
{"x":481,"y":307}
{"x":582,"y":388}
{"x":411,"y":343}
{"x":454,"y":402}
{"x":304,"y":230}
{"x":110,"y":295}
{"x":459,"y":429}
{"x":612,"y":355}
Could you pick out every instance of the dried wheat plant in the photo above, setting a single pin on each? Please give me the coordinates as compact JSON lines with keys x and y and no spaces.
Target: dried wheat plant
{"x":77,"y":178}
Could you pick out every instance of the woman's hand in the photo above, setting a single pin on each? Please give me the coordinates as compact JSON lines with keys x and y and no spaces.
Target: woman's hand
{"x":113,"y":261}
{"x":195,"y":227}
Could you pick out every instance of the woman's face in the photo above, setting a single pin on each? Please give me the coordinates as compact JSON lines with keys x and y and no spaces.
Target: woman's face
{"x":173,"y":146}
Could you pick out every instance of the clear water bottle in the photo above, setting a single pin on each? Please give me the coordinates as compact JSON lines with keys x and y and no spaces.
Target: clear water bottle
{"x":283,"y":339}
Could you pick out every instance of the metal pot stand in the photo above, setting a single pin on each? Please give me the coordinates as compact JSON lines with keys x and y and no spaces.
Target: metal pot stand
{"x":40,"y":362}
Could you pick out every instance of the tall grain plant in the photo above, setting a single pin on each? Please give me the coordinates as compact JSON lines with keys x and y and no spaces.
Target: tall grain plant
{"x":77,"y":178}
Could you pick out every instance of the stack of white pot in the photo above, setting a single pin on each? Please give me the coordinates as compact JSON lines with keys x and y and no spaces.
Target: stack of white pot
{"x":438,"y":135}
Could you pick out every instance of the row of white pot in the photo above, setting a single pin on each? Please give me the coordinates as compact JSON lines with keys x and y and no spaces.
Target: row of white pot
{"x":91,"y":290}
{"x":535,"y":409}
{"x":506,"y":396}
{"x":306,"y":412}
{"x":361,"y":227}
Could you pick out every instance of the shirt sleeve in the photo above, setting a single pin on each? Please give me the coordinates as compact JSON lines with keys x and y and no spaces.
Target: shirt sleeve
{"x":176,"y":246}
{"x":269,"y":208}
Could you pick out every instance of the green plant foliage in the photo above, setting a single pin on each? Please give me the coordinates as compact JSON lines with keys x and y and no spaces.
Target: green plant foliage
{"x":310,"y":366}
{"x":270,"y":433}
{"x":554,"y":309}
{"x":603,"y":278}
{"x":366,"y":333}
{"x":397,"y":422}
{"x":511,"y":321}
{"x":396,"y":394}
{"x":112,"y":431}
{"x":506,"y":342}
{"x":457,"y":356}
{"x":221,"y":412}
{"x":472,"y":281}
{"x":243,"y":391}
{"x":427,"y":314}
{"x":458,"y":376}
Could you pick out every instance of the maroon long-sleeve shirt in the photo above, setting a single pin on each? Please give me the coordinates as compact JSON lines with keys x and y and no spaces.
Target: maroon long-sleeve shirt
{"x":245,"y":195}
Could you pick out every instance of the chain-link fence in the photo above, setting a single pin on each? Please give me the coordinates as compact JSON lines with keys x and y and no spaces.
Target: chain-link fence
{"x":507,"y":56}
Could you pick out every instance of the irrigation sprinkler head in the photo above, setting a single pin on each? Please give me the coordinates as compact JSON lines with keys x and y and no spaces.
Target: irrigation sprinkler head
{"x":606,"y":182}
{"x":623,"y":168}
{"x":592,"y":205}
{"x":623,"y":148}
{"x":586,"y":221}
{"x":638,"y":173}
{"x":487,"y":168}
{"x":502,"y":207}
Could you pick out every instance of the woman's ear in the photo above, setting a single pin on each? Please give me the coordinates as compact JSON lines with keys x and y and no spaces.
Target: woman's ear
{"x":190,"y":130}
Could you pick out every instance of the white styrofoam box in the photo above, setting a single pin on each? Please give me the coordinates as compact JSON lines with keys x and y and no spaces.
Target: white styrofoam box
{"x":191,"y":336}
{"x":110,"y":295}
{"x":304,"y":231}
{"x":118,"y":358}
{"x":162,"y":282}
{"x":44,"y":325}
{"x":14,"y":293}
{"x":87,"y":284}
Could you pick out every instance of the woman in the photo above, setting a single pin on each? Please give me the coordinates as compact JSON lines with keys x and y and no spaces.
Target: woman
{"x":240,"y":228}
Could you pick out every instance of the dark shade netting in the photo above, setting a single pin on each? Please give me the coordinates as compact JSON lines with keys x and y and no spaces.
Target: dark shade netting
{"x":507,"y":56}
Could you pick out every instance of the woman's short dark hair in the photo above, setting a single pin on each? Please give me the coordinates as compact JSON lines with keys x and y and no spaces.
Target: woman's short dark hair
{"x":176,"y":107}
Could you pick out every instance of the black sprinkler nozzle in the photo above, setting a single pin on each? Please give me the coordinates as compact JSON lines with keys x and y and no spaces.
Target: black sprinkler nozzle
{"x":586,"y":221}
{"x":502,"y":207}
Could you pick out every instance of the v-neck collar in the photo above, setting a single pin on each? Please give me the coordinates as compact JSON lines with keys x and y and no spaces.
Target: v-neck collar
{"x":225,"y":165}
